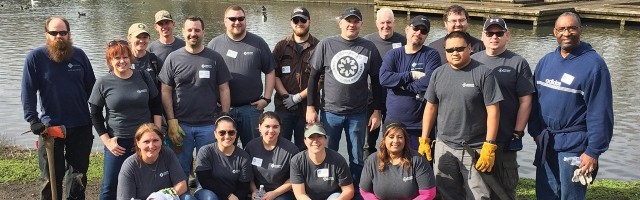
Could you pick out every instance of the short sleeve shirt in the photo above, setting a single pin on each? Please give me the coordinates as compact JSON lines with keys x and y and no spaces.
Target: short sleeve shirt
{"x":396,"y":182}
{"x":271,"y":167}
{"x":228,"y":171}
{"x":138,"y":180}
{"x":320,"y":181}
{"x":163,"y":50}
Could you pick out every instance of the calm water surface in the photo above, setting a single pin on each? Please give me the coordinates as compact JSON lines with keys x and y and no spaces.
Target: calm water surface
{"x":107,"y":20}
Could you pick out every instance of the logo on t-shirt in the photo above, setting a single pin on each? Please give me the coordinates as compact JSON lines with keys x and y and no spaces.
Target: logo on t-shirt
{"x":235,"y":171}
{"x":164,"y":174}
{"x":248,"y":53}
{"x":141,"y":91}
{"x":348,"y":66}
{"x":468,"y":85}
{"x":275,"y":166}
{"x":72,"y":69}
{"x":504,"y":70}
{"x":328,"y":179}
{"x":408,"y":178}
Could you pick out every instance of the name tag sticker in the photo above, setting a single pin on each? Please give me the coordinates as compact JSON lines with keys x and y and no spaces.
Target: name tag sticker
{"x":204,"y":74}
{"x":567,"y":78}
{"x":323,"y":173}
{"x":232,"y":53}
{"x":286,"y":69}
{"x":256,"y":161}
{"x":396,"y":45}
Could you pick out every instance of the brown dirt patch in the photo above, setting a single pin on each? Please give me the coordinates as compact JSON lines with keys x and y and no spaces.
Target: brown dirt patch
{"x":30,"y":191}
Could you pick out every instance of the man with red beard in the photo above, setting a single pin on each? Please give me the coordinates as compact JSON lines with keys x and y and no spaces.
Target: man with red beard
{"x":63,"y":77}
{"x":292,"y":56}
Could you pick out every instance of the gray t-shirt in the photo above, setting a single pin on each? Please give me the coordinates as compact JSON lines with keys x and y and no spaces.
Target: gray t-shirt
{"x":476,"y":46}
{"x":271,"y":168}
{"x":163,"y":50}
{"x":195,"y":79}
{"x":395,"y":182}
{"x":515,"y":80}
{"x":321,"y":180}
{"x":346,"y":65}
{"x":228,"y":171}
{"x":462,"y":97}
{"x":396,"y":40}
{"x":246,"y":59}
{"x":138,"y":180}
{"x":126,"y":101}
{"x":144,"y":64}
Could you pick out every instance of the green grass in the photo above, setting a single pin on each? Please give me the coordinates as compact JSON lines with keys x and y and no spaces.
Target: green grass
{"x":20,"y":165}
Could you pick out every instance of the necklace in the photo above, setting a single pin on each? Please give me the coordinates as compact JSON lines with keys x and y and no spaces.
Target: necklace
{"x":154,"y":168}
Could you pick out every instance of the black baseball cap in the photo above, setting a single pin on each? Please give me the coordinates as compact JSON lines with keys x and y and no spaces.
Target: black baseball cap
{"x":421,"y":20}
{"x":352,"y":11}
{"x":300,"y":12}
{"x":495,"y":21}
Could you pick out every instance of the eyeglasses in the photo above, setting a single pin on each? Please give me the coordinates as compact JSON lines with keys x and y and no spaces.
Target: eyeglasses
{"x":295,"y":20}
{"x":491,"y":34}
{"x":423,"y":30}
{"x":571,"y":29}
{"x":234,"y":19}
{"x":227,"y":132}
{"x":116,"y":42}
{"x":452,"y":49}
{"x":61,"y":33}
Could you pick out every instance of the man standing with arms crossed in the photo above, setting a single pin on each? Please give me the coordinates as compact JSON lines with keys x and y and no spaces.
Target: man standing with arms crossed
{"x":166,"y":42}
{"x":385,"y":39}
{"x":464,"y":95}
{"x":515,"y":80}
{"x":405,"y":73}
{"x":193,"y":78}
{"x":346,"y":60}
{"x":572,"y":113}
{"x":292,"y":55}
{"x":247,"y":56}
{"x":61,"y":76}
{"x":456,"y":18}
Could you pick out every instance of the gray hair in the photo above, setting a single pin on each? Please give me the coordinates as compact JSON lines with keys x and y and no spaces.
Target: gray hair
{"x":572,"y":14}
{"x":385,"y":11}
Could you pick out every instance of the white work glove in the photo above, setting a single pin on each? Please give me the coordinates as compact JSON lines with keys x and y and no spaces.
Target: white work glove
{"x":417,"y":75}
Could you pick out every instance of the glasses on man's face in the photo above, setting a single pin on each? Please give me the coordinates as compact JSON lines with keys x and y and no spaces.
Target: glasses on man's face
{"x":491,"y":34}
{"x":422,"y":29}
{"x":296,"y":20}
{"x":452,"y":49}
{"x":230,"y":133}
{"x":115,"y":42}
{"x":571,"y":29}
{"x":55,"y":33}
{"x":234,"y":19}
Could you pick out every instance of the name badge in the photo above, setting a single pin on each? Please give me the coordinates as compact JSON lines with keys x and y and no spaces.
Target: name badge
{"x":232,"y":53}
{"x":256,"y":161}
{"x":396,"y":45}
{"x":133,"y":66}
{"x":204,"y":74}
{"x":286,"y":69}
{"x":323,"y":173}
{"x":567,"y":78}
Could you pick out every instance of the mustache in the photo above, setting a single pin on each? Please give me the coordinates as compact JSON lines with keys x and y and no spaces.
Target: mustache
{"x":60,"y":50}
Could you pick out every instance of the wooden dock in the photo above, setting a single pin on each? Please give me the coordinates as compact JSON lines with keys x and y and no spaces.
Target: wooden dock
{"x":535,"y":11}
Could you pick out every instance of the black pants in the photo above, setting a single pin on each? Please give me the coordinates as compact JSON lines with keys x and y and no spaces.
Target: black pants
{"x":370,"y":143}
{"x":71,"y":157}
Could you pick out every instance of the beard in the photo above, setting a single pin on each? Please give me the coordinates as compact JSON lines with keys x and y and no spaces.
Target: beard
{"x":301,"y":33}
{"x":60,"y":50}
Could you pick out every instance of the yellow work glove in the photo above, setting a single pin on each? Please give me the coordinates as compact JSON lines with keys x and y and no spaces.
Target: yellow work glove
{"x":424,"y":149}
{"x":175,"y":133}
{"x":487,"y":157}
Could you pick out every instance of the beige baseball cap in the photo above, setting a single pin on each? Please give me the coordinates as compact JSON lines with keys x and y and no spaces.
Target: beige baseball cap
{"x":163,"y":15}
{"x":137,"y":29}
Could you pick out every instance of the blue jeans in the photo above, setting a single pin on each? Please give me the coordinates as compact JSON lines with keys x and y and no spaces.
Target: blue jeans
{"x":194,"y":138}
{"x":204,"y":194}
{"x":553,"y":178}
{"x":293,"y":127}
{"x":355,"y":126}
{"x":112,"y":165}
{"x":246,"y":118}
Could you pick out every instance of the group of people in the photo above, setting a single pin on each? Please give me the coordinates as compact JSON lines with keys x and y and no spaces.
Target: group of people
{"x":434,"y":106}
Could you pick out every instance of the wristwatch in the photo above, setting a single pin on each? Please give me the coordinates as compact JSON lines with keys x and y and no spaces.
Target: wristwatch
{"x":265,"y":99}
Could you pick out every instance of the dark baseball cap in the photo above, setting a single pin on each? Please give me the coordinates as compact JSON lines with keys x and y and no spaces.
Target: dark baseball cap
{"x":495,"y":21}
{"x":300,"y":12}
{"x":421,"y":20}
{"x":351,"y":11}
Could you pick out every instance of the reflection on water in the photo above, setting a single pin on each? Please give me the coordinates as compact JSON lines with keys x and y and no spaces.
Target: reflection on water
{"x":106,"y":20}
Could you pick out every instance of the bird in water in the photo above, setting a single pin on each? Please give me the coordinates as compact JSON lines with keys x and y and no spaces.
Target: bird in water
{"x":81,"y":14}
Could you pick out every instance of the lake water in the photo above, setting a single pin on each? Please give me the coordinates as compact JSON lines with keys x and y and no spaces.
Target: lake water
{"x":107,"y":20}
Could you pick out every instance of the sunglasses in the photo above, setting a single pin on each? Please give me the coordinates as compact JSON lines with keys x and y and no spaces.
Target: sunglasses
{"x":422,"y":30}
{"x":452,"y":49}
{"x":225,"y":132}
{"x":61,"y":33}
{"x":116,"y":42}
{"x":491,"y":34}
{"x":295,"y":20}
{"x":234,"y":19}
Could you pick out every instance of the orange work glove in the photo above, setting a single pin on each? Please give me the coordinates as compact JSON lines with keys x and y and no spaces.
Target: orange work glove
{"x":487,"y":157}
{"x":424,"y":149}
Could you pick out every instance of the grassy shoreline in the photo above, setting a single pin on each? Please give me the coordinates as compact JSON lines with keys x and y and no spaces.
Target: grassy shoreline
{"x":20,"y":166}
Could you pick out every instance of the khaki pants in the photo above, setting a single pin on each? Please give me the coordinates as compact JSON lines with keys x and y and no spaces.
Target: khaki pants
{"x":456,"y":177}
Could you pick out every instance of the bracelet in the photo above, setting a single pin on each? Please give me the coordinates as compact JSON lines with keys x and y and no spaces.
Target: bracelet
{"x":265,"y":99}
